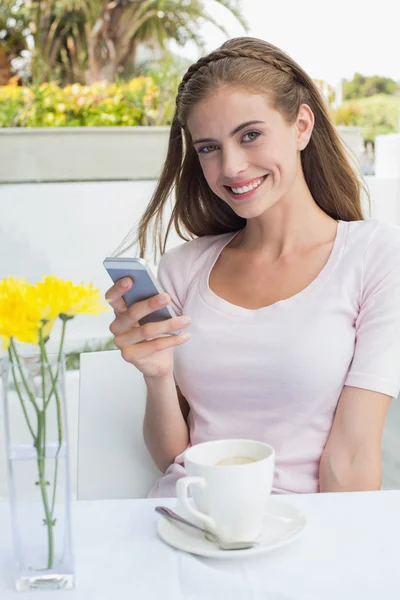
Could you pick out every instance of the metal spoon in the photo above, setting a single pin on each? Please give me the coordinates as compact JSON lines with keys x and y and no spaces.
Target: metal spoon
{"x":173,"y":516}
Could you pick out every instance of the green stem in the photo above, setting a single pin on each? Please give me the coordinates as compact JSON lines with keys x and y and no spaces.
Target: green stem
{"x":64,"y":329}
{"x":20,"y":396}
{"x":31,"y":396}
{"x":53,"y":500}
{"x":54,"y":381}
{"x":43,"y":489}
{"x":41,"y":450}
{"x":43,"y":375}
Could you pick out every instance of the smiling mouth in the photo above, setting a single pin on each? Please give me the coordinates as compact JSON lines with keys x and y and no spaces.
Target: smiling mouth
{"x":238,"y":191}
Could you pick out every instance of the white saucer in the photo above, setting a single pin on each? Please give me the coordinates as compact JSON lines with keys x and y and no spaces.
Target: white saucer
{"x":282,"y":524}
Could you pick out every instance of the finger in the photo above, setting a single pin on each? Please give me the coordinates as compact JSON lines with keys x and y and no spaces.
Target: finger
{"x":114,"y":296}
{"x":143,"y":350}
{"x":150,"y":331}
{"x":128,"y":319}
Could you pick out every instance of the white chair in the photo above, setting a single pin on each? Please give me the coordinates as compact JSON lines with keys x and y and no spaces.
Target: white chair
{"x":113,"y":461}
{"x":391,"y":448}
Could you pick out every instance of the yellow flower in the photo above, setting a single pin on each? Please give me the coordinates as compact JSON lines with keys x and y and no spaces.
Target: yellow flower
{"x":75,"y":89}
{"x":138,"y":83}
{"x":26,"y":308}
{"x":47,"y":327}
{"x":19,"y":318}
{"x":49,"y":118}
{"x":50,"y":296}
{"x":57,"y":297}
{"x":84,"y":299}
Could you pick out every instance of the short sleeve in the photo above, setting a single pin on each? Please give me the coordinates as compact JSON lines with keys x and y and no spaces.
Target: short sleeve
{"x":172,"y":273}
{"x":376,"y":361}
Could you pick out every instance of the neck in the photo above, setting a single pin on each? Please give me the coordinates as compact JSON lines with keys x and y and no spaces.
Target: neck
{"x":294,"y":222}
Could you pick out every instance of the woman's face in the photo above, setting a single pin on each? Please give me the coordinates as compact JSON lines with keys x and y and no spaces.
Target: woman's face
{"x":249,"y":155}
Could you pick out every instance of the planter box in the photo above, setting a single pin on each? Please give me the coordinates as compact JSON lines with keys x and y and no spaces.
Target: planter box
{"x":29,"y":155}
{"x":81,"y":154}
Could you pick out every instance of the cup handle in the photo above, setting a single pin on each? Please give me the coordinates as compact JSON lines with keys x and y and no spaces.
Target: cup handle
{"x":182,"y":490}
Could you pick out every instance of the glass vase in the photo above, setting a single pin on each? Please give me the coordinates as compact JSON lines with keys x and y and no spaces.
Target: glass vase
{"x":36,"y":435}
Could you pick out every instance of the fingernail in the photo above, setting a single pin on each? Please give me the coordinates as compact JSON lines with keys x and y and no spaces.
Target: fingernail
{"x":185,"y":336}
{"x":184,"y":320}
{"x":163,"y":299}
{"x":125,"y":282}
{"x":109,"y":300}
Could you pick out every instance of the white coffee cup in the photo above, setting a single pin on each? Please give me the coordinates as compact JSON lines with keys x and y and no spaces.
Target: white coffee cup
{"x":228,"y":499}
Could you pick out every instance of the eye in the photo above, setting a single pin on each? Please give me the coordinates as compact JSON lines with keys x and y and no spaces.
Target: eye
{"x":251,"y":135}
{"x":207,"y":149}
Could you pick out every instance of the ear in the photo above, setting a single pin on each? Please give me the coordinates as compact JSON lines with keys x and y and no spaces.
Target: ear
{"x":304,"y":126}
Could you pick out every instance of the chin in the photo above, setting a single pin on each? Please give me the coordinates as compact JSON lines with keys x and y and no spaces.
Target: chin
{"x":252,"y":212}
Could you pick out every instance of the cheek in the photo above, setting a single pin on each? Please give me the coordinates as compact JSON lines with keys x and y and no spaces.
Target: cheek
{"x":272,"y":156}
{"x":285,"y":160}
{"x":210,"y":171}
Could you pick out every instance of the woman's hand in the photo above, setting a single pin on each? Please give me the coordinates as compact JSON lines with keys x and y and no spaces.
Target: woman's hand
{"x":149,"y":347}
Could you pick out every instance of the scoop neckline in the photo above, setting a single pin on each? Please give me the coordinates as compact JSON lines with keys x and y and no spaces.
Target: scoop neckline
{"x":210,"y":298}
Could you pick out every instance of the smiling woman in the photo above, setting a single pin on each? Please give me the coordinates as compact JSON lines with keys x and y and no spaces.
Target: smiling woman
{"x":293,"y":298}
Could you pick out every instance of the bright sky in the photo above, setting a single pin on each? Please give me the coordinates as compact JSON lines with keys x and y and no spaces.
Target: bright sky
{"x":330,"y":39}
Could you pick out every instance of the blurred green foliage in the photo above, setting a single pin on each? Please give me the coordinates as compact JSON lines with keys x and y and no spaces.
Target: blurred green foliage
{"x":363,"y":87}
{"x":140,"y":101}
{"x":376,"y":115}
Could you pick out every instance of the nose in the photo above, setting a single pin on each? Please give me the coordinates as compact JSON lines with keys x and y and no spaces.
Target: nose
{"x":234,"y":162}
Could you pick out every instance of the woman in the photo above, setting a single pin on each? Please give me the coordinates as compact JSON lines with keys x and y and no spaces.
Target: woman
{"x":294,"y":300}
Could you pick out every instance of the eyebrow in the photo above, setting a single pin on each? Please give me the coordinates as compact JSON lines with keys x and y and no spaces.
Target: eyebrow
{"x":232,"y":133}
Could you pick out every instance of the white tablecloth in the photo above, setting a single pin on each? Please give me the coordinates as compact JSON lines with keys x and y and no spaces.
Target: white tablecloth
{"x":349,"y":550}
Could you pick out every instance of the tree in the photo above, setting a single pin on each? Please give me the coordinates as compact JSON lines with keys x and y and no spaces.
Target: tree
{"x":91,"y":40}
{"x":38,"y":25}
{"x":13,"y":27}
{"x":124,"y":24}
{"x":376,"y":115}
{"x":363,"y":87}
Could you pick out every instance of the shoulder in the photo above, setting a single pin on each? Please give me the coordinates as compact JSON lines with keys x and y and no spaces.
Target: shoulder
{"x":378,"y":244}
{"x":374,"y":235}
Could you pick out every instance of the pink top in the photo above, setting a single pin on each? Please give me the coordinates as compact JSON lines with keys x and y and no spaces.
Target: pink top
{"x":275,"y":374}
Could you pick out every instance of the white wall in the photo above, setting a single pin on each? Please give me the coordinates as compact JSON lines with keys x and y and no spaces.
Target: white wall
{"x":387,"y":156}
{"x":385,"y":198}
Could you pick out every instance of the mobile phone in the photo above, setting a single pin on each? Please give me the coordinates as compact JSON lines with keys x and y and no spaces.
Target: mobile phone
{"x":145,"y":285}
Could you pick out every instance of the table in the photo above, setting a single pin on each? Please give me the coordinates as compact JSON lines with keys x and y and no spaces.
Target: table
{"x":348,"y":551}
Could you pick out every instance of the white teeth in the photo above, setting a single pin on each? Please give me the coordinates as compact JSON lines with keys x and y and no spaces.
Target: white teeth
{"x":247,"y":188}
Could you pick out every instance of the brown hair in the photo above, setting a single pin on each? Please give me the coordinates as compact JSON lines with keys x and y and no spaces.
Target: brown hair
{"x":262,"y":68}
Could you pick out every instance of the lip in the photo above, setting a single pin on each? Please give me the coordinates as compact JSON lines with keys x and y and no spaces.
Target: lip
{"x":237,"y":184}
{"x":250,"y":193}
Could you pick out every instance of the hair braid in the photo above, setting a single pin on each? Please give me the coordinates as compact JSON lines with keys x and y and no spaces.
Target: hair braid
{"x":233,"y":53}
